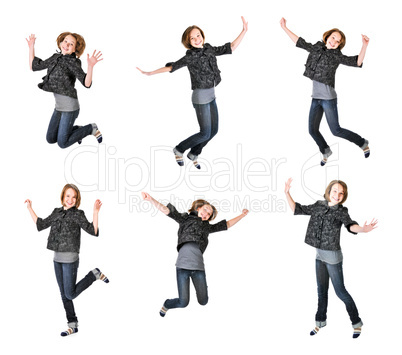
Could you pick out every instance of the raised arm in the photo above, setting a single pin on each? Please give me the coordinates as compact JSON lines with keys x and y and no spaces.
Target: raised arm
{"x":157,"y":71}
{"x":362,"y":53}
{"x":31,"y":44}
{"x":233,"y":221}
{"x":157,"y":204}
{"x":365,"y":228}
{"x":291,"y":203}
{"x":291,"y":35}
{"x":31,"y":211}
{"x":97,"y":207}
{"x":239,"y":38}
{"x":95,"y":58}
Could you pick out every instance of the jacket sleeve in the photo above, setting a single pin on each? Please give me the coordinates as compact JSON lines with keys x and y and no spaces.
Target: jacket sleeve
{"x":82,"y":221}
{"x":305,"y":210}
{"x":221,"y":50}
{"x":349,"y":61}
{"x":301,"y":43}
{"x":182,"y":62}
{"x":176,"y":215}
{"x":218,"y":227}
{"x":42,"y":224}
{"x":346,"y":220}
{"x":76,"y":68}
{"x":39,"y":64}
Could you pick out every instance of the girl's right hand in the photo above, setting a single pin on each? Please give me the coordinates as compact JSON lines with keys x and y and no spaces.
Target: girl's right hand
{"x":31,"y":40}
{"x":146,"y":196}
{"x":29,"y":203}
{"x":282,"y":22}
{"x":287,"y":185}
{"x":144,"y":72}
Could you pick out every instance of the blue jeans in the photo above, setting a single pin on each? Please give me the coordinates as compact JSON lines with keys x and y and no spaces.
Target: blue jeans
{"x":324,"y":272}
{"x":62,"y":130}
{"x":183,"y":285}
{"x":66,"y":275}
{"x":330,"y":107}
{"x":208,"y":120}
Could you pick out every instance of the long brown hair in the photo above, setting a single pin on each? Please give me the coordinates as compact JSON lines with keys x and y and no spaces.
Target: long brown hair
{"x":79,"y":46}
{"x":199,"y":203}
{"x":77,"y":194}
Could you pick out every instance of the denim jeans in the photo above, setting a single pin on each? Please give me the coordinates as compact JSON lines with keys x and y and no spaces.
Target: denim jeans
{"x":207,"y":115}
{"x":324,"y":272}
{"x":330,"y":107}
{"x":62,"y":130}
{"x":66,"y":275}
{"x":183,"y":285}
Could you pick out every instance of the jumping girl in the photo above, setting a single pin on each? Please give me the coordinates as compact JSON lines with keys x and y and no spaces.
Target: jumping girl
{"x":200,"y":60}
{"x":64,"y":239}
{"x":322,"y":62}
{"x":323,"y":233}
{"x":63,"y":69}
{"x":194,"y":229}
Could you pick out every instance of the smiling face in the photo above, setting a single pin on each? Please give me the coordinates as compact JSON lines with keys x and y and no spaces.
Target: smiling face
{"x":196,"y":38}
{"x":336,"y":195}
{"x":333,"y":40}
{"x":69,"y":199}
{"x":205,"y":212}
{"x":67,"y":46}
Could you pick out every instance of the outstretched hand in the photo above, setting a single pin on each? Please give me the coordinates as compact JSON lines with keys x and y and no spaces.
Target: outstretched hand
{"x":282,"y":22}
{"x":245,"y":24}
{"x":146,"y":196}
{"x":369,"y":227}
{"x":245,"y":212}
{"x":95,"y":58}
{"x":287,"y":185}
{"x":144,"y":72}
{"x":31,"y":40}
{"x":29,"y":203}
{"x":365,"y":40}
{"x":97,"y":205}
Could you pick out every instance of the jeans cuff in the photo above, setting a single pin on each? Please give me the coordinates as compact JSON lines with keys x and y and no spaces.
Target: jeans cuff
{"x":72,"y":324}
{"x":357,"y":325}
{"x":321,"y":324}
{"x":176,"y":152}
{"x":365,"y":145}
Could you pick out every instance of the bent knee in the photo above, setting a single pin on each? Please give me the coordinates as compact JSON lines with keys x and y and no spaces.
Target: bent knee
{"x":203,"y":302}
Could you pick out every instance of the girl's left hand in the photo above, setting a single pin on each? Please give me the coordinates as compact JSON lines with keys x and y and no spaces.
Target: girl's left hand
{"x":365,"y":40}
{"x":369,"y":227}
{"x":245,"y":212}
{"x":97,"y":205}
{"x":95,"y":58}
{"x":245,"y":24}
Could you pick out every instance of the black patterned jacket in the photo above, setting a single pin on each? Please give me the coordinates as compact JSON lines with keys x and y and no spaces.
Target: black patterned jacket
{"x":65,"y":229}
{"x":322,"y":63}
{"x":193,"y":229}
{"x":62,"y":70}
{"x":202,"y":65}
{"x":324,"y":227}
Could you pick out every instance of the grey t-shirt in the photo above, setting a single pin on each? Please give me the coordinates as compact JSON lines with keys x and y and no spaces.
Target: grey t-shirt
{"x":203,"y":96}
{"x":66,"y":103}
{"x":65,"y":257}
{"x":329,"y":256}
{"x":323,"y":91}
{"x":190,"y":257}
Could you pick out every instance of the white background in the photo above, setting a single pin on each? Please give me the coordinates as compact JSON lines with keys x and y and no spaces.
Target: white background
{"x":260,"y":274}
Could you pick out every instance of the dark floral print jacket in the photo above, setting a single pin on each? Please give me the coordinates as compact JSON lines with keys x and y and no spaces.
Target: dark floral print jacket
{"x":202,"y":65}
{"x":65,"y":229}
{"x":193,"y":229}
{"x":62,"y":70}
{"x":322,"y":63}
{"x":324,"y":227}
